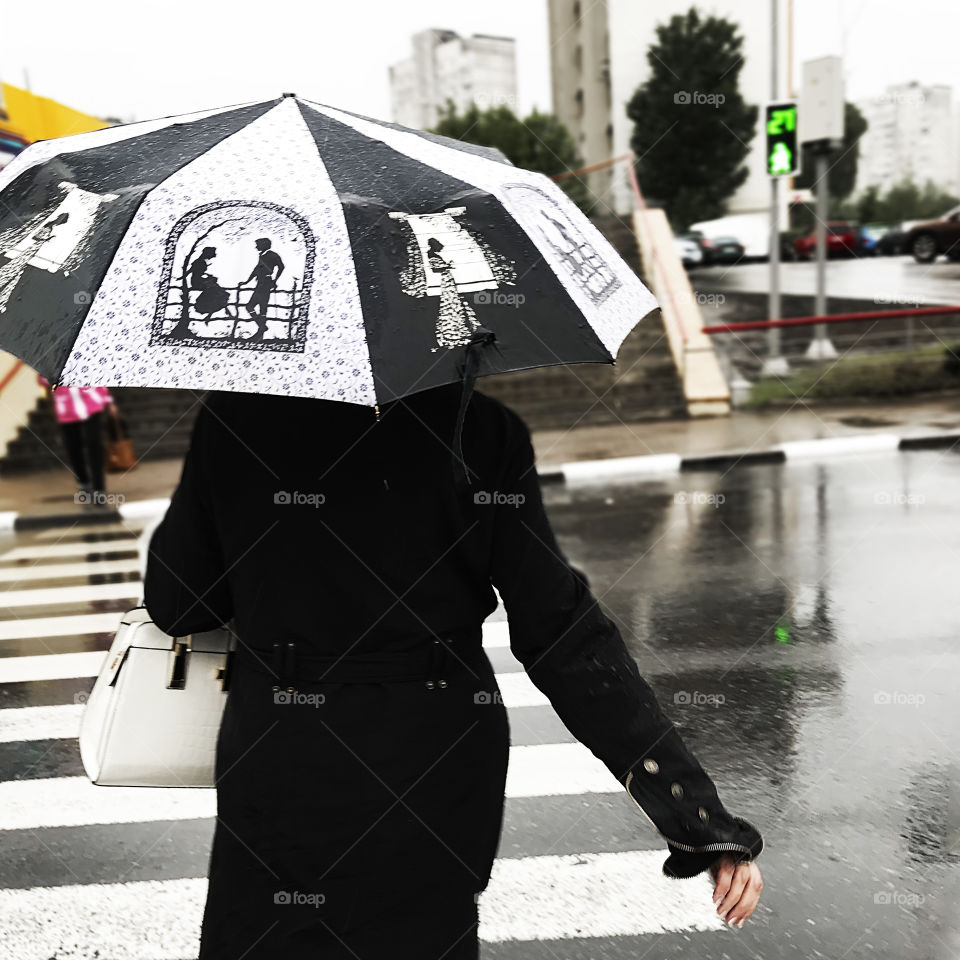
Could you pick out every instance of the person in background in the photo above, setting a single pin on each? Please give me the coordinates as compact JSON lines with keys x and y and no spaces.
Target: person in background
{"x":78,"y":411}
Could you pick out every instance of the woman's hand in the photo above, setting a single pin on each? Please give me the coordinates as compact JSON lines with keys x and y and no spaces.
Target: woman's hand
{"x":737,"y":890}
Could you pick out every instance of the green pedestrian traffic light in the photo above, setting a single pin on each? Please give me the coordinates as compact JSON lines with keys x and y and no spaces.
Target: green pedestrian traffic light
{"x":783,"y":155}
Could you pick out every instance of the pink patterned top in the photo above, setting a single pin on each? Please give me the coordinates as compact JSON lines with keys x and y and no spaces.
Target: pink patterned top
{"x":77,"y":403}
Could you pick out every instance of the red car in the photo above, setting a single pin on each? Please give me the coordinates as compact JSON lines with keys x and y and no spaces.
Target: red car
{"x":841,"y":241}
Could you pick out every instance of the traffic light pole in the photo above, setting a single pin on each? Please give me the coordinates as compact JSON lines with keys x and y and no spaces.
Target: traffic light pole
{"x":820,"y":346}
{"x":775,"y":364}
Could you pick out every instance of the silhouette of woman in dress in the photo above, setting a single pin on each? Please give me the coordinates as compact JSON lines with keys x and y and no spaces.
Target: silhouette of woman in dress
{"x":212,"y":296}
{"x":456,"y":319}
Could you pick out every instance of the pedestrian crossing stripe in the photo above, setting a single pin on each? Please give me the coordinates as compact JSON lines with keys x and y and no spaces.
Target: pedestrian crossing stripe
{"x":78,"y":549}
{"x":85,"y":593}
{"x":528,"y":899}
{"x":82,"y":623}
{"x":53,"y":666}
{"x":56,"y":571}
{"x":560,"y":769}
{"x":63,"y":534}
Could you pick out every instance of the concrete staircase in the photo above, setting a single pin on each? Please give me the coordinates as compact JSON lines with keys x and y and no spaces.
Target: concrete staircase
{"x":159,"y":422}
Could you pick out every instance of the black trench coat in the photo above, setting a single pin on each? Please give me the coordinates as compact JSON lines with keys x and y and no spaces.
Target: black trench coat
{"x":360,"y":785}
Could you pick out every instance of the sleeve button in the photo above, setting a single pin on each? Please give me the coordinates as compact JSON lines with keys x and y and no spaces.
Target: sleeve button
{"x":676,"y":790}
{"x":704,"y":816}
{"x":651,"y":766}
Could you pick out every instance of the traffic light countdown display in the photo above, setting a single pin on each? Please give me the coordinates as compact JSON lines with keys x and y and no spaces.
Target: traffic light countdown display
{"x":783,"y":155}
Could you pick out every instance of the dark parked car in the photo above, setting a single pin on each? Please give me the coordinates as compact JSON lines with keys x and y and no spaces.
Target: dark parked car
{"x":893,"y":242}
{"x":727,"y":250}
{"x":926,"y":241}
{"x":841,"y":241}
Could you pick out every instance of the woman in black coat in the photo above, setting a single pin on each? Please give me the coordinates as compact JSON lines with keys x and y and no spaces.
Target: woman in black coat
{"x":363,"y":750}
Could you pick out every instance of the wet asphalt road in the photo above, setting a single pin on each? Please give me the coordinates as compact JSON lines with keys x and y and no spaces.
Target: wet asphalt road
{"x":799,"y":624}
{"x":891,"y":281}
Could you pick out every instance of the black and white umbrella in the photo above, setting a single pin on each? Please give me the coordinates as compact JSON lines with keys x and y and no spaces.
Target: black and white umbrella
{"x":291,"y":248}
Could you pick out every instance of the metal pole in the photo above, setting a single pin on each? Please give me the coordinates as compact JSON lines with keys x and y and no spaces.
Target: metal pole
{"x":820,"y":347}
{"x":775,"y":364}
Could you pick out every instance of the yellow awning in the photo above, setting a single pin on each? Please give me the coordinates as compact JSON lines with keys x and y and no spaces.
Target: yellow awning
{"x":40,"y":118}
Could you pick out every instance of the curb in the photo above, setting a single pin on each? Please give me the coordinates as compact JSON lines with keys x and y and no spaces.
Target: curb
{"x":577,"y":471}
{"x":596,"y":471}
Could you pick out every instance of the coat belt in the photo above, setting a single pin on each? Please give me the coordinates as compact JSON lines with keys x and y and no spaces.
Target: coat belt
{"x":433,"y":661}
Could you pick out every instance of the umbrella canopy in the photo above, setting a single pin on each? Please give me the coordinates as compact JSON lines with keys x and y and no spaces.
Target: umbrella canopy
{"x":291,"y":248}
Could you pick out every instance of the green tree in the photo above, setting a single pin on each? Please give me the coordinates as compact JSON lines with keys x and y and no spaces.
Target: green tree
{"x":540,"y":142}
{"x":843,"y":163}
{"x":692,"y":128}
{"x":868,"y":205}
{"x":908,"y":201}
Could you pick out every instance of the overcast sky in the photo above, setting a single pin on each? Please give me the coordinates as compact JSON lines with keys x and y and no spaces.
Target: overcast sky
{"x":143,"y":59}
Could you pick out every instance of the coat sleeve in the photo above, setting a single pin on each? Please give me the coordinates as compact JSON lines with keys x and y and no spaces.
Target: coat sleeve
{"x":574,"y":654}
{"x":185,"y":588}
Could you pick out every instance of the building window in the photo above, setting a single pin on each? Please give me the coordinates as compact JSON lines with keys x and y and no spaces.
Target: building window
{"x":578,"y":97}
{"x":576,"y":11}
{"x":578,"y":57}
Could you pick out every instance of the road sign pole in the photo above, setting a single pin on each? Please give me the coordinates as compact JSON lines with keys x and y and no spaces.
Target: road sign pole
{"x":775,"y":364}
{"x":820,"y":346}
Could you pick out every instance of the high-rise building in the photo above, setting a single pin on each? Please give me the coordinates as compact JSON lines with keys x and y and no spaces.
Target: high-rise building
{"x":912,"y":135}
{"x":599,"y":58}
{"x":446,"y":67}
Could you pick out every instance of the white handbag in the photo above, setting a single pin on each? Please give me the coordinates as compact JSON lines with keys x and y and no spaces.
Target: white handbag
{"x":153,"y":716}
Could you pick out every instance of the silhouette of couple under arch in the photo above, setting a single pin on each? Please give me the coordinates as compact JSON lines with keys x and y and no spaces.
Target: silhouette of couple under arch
{"x":213,"y":297}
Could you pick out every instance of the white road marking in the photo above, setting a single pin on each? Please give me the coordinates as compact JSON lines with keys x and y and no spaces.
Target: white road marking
{"x":25,"y":628}
{"x":552,"y":770}
{"x":53,"y":571}
{"x":592,"y":895}
{"x":52,"y":666}
{"x":42,"y":551}
{"x":65,"y":534}
{"x":496,"y":633}
{"x":85,"y":593}
{"x":517,"y":690}
{"x":58,"y":722}
{"x":531,"y":898}
{"x":557,"y":769}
